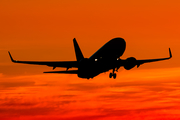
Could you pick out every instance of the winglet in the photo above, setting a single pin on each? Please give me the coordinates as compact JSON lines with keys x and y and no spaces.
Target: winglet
{"x":11,"y":57}
{"x":170,"y":54}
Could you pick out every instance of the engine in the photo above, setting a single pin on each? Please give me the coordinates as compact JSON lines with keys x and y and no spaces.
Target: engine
{"x":130,"y":63}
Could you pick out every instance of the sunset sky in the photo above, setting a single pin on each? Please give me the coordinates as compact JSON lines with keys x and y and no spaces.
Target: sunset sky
{"x":43,"y":30}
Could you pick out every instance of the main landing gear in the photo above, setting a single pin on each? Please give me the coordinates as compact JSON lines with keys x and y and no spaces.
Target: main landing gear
{"x":112,"y":75}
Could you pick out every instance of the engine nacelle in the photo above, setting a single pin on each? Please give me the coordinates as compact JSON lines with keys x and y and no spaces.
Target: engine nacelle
{"x":130,"y":63}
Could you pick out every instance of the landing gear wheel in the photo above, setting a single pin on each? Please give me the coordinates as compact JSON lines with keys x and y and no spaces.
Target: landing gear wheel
{"x":114,"y":75}
{"x":110,"y":75}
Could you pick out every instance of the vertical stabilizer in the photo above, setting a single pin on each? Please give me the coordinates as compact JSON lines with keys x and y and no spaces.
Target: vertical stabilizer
{"x":78,"y":52}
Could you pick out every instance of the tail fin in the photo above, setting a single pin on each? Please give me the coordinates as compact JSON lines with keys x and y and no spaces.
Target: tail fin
{"x":78,"y":52}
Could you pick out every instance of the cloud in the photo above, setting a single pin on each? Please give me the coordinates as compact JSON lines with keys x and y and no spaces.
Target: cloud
{"x":69,"y":97}
{"x":84,"y":87}
{"x":7,"y":85}
{"x":65,"y":96}
{"x":149,"y":85}
{"x":16,"y":104}
{"x":26,"y":111}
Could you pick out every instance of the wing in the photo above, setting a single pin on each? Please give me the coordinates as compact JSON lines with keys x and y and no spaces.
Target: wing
{"x":66,"y":64}
{"x":65,"y":72}
{"x":140,"y":62}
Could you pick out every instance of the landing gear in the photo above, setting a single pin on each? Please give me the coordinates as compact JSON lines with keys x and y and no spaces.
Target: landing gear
{"x":112,"y":75}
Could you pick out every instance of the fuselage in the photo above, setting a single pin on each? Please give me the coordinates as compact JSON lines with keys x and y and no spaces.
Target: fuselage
{"x":103,"y":60}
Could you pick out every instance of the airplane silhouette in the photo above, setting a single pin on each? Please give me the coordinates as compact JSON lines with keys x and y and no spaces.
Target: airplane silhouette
{"x":105,"y":59}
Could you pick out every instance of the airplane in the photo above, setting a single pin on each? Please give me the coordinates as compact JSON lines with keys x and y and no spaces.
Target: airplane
{"x":105,"y":59}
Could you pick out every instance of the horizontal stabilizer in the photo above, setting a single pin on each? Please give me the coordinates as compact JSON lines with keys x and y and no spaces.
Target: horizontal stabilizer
{"x":66,"y":72}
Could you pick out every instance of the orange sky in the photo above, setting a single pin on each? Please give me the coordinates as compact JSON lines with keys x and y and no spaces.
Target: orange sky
{"x":44,"y":30}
